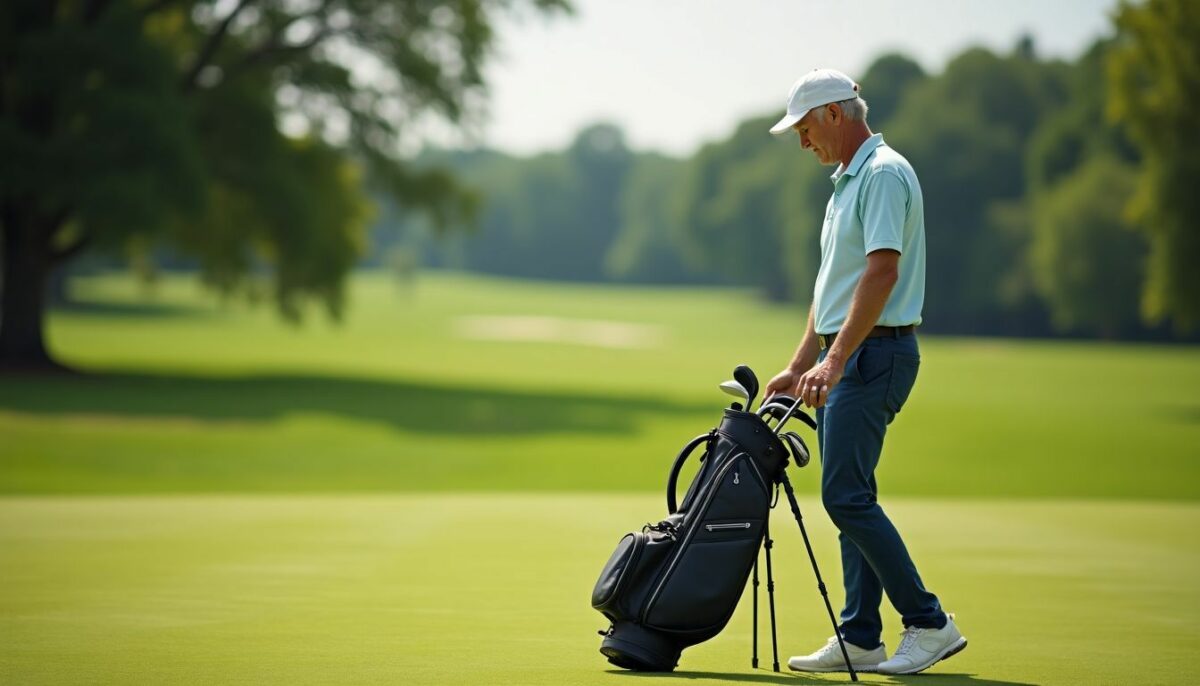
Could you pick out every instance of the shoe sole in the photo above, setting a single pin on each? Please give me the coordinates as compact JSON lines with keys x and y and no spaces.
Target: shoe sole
{"x":950,"y":651}
{"x":865,"y":668}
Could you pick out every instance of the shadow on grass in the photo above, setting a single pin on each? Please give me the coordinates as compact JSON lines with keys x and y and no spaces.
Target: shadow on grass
{"x":95,"y":308}
{"x":410,"y":406}
{"x":768,"y":677}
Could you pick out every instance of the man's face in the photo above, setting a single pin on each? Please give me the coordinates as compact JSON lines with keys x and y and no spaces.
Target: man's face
{"x":819,"y":136}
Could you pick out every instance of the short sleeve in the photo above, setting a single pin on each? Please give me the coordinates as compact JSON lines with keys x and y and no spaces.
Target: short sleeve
{"x":884,"y":205}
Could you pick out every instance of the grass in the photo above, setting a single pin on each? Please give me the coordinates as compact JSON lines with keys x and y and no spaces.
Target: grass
{"x":188,"y":396}
{"x":223,"y":498}
{"x":493,"y":588}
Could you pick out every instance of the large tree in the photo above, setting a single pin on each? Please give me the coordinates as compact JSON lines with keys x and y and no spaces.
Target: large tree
{"x":1154,"y":91}
{"x":239,"y":131}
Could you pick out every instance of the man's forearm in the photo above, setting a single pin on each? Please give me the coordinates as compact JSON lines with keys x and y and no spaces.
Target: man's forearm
{"x":809,"y":348}
{"x":870,"y":297}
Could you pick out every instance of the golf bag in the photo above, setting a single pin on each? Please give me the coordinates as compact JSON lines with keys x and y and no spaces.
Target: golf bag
{"x":676,"y":583}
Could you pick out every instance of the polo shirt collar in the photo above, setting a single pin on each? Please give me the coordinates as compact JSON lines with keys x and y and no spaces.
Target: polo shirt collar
{"x":860,"y":158}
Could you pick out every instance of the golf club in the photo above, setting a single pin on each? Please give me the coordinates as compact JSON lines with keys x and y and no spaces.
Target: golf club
{"x":780,"y":406}
{"x":745,"y":376}
{"x":795,"y":406}
{"x":737,"y":390}
{"x":799,"y":450}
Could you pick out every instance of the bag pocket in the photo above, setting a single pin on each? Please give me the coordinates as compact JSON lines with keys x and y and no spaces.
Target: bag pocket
{"x":617,"y":570}
{"x":706,"y":584}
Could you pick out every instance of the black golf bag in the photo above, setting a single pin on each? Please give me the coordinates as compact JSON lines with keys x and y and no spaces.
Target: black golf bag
{"x":676,"y":583}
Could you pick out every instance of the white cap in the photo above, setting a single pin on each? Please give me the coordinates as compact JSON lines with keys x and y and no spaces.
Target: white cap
{"x":816,"y":88}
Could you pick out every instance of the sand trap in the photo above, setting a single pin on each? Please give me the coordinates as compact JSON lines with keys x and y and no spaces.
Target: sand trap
{"x":594,"y":332}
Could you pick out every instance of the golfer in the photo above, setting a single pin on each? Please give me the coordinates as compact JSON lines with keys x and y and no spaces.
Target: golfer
{"x":857,"y":364}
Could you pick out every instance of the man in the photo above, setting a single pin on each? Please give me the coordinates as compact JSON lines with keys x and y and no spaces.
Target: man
{"x":857,"y":364}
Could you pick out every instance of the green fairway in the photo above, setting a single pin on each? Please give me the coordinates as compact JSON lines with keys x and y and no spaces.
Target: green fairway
{"x":493,"y":589}
{"x":187,"y":396}
{"x":426,"y":493}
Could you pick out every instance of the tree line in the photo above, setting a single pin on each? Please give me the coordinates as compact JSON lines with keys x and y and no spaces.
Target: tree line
{"x":252,"y":141}
{"x":1058,"y":194}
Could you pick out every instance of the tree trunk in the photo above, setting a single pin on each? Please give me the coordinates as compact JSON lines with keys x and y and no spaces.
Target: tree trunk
{"x":26,"y":263}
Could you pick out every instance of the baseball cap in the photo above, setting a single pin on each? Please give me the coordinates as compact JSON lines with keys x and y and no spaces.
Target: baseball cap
{"x":816,"y":88}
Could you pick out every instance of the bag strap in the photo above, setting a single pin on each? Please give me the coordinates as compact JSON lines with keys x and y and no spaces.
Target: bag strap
{"x":673,"y":479}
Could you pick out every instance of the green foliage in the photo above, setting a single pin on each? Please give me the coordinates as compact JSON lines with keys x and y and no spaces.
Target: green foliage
{"x":964,"y":132}
{"x":235,"y":131}
{"x":650,"y":245}
{"x":886,"y":82}
{"x":746,"y":203}
{"x":1154,"y":69}
{"x":1088,"y":260}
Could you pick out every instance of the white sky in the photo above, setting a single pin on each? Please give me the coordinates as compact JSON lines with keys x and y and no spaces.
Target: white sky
{"x":677,"y":73}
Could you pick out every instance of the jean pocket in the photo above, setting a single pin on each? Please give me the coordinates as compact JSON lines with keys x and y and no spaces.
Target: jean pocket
{"x":871,"y":363}
{"x":904,"y":376}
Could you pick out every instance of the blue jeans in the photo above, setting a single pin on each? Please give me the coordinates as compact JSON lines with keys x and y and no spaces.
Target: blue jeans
{"x":851,"y":426}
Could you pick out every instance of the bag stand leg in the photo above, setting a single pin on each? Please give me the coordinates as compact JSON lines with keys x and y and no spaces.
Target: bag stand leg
{"x":771,"y":598}
{"x":791,"y":496}
{"x":754,"y":649}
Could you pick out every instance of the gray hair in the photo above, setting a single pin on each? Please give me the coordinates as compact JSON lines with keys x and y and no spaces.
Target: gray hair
{"x":854,"y":109}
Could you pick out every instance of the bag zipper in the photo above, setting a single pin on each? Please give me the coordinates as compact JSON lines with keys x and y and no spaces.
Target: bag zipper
{"x":724,"y":527}
{"x":678,"y":552}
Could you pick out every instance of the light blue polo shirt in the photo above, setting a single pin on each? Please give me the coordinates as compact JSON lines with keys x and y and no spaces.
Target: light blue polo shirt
{"x":876,"y":204}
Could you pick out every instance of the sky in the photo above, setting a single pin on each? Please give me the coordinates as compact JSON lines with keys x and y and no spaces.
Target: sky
{"x":675,"y":74}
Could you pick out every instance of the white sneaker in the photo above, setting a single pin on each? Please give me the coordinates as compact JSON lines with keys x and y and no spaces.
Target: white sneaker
{"x":921,"y":648}
{"x":829,"y":658}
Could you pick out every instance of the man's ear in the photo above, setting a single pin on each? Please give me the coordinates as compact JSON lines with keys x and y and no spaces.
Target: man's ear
{"x":835,"y":113}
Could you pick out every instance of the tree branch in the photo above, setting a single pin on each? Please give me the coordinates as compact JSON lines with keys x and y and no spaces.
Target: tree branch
{"x":269,"y":49}
{"x":209,"y":50}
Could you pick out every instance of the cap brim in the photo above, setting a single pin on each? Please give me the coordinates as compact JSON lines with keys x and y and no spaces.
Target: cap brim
{"x":789,"y":120}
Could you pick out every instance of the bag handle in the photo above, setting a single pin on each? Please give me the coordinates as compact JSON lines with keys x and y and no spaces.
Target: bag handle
{"x":673,"y":479}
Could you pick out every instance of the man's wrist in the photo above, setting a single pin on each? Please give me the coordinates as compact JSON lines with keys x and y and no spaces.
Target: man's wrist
{"x":835,"y":358}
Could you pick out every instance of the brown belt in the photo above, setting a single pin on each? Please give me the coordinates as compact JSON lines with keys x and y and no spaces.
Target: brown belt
{"x":826,"y":339}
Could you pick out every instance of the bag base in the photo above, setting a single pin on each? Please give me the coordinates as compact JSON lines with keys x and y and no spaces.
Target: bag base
{"x":632,"y":646}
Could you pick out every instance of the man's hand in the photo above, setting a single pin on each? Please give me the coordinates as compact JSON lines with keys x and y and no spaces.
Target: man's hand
{"x":815,"y":385}
{"x":783,"y":382}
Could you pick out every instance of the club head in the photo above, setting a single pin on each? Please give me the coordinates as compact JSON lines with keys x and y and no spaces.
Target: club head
{"x":737,"y":390}
{"x":745,"y":376}
{"x":778,"y":399}
{"x":778,"y":406}
{"x":797,"y":447}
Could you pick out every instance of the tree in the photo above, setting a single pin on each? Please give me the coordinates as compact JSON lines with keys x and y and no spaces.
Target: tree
{"x":233,"y":129}
{"x":965,"y":133}
{"x":1153,"y":72}
{"x":649,"y":247}
{"x":1087,"y":260}
{"x":885,"y":83}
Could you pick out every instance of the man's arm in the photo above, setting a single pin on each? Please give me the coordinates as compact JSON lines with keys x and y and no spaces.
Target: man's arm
{"x":870,"y":296}
{"x":803,"y":360}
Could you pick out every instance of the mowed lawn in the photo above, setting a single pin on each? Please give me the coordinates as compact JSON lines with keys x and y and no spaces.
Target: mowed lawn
{"x":425,"y":493}
{"x":460,"y":383}
{"x":493,"y":589}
